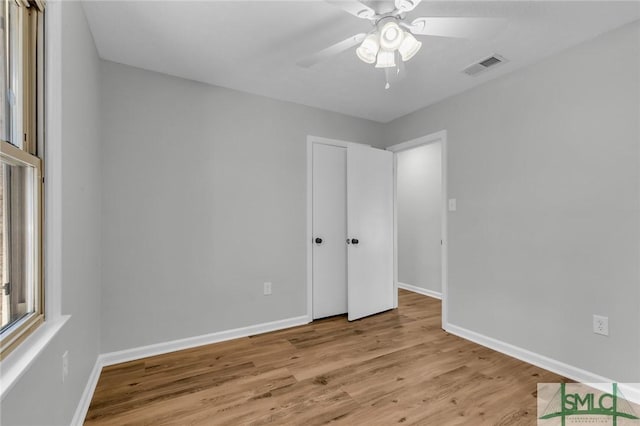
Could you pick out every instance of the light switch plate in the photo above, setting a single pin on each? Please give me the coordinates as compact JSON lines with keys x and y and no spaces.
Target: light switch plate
{"x":452,"y":204}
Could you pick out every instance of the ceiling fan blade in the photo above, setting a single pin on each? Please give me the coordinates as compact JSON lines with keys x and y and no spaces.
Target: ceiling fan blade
{"x":355,"y":8}
{"x":406,"y":5}
{"x":332,"y":50}
{"x":457,"y":27}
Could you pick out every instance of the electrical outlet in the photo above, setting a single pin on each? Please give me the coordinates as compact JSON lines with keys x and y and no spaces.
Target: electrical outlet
{"x":65,"y":365}
{"x":453,"y":204}
{"x":267,"y":289}
{"x":601,"y":325}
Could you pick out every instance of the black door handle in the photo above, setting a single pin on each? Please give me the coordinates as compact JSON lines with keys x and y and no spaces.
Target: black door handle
{"x":318,"y":240}
{"x":354,"y":241}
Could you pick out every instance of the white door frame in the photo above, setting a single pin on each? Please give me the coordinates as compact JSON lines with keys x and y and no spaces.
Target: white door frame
{"x":424,"y":140}
{"x":309,"y":243}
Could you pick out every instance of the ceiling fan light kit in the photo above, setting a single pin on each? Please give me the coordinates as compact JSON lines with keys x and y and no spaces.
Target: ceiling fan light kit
{"x":386,"y":59}
{"x":381,"y":46}
{"x":394,"y":34}
{"x":368,"y":50}
{"x":391,"y":35}
{"x":385,"y":42}
{"x":409,"y":47}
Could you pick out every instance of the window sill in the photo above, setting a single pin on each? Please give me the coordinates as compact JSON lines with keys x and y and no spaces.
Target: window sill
{"x":21,"y":358}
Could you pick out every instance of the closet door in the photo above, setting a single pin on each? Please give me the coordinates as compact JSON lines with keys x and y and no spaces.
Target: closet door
{"x":329,"y":224}
{"x":370,"y":231}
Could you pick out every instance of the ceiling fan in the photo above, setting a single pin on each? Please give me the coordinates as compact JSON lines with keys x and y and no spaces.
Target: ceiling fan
{"x":391,"y":42}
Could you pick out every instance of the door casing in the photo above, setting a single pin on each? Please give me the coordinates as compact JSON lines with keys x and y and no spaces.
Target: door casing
{"x":441,"y":137}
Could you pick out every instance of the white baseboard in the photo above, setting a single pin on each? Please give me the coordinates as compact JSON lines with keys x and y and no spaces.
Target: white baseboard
{"x":420,"y":290}
{"x":87,"y":394}
{"x":132,"y":354}
{"x":206,"y":339}
{"x":631,"y":391}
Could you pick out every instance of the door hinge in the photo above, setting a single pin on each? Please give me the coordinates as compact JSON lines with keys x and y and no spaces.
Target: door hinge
{"x":7,"y":289}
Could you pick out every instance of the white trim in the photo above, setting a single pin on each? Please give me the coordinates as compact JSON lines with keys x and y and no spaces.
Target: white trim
{"x":87,"y":394}
{"x":441,"y":137}
{"x":420,"y":290}
{"x":334,"y":142}
{"x":205,"y":339}
{"x":23,"y":356}
{"x":395,"y":231}
{"x":445,"y":229}
{"x":423,"y":140}
{"x":630,"y":390}
{"x":53,"y":162}
{"x":308,"y":244}
{"x":133,"y":354}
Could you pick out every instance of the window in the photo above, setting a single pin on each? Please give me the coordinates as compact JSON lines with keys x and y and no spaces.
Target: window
{"x":21,"y":165}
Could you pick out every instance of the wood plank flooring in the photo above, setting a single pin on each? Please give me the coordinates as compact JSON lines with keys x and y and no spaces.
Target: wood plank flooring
{"x":395,"y":367}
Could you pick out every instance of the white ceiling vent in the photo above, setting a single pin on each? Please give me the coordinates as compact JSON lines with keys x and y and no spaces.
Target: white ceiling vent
{"x":483,"y":65}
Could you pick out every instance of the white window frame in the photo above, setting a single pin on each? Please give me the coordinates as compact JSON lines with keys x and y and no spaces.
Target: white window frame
{"x":17,"y":363}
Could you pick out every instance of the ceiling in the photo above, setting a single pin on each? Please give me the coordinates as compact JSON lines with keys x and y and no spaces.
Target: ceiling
{"x":253,"y":46}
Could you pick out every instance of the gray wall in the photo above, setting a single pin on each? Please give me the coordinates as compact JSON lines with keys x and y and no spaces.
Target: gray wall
{"x":197,"y":196}
{"x":545,"y":166}
{"x":204,"y":200}
{"x":56,"y":402}
{"x":419,"y":204}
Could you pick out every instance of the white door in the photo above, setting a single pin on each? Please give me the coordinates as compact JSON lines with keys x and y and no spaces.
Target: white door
{"x":370,"y":231}
{"x":329,"y":224}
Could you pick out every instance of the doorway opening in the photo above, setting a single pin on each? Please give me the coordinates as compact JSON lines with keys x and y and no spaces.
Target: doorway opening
{"x":420,"y":228}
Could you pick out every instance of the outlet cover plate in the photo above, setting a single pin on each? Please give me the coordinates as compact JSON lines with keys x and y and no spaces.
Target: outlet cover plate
{"x":601,"y":325}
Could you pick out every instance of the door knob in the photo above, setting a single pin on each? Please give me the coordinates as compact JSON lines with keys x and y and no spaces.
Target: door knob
{"x":318,"y":240}
{"x":354,"y":241}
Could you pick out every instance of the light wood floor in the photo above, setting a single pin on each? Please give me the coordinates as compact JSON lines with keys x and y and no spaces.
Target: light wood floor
{"x":395,"y":367}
